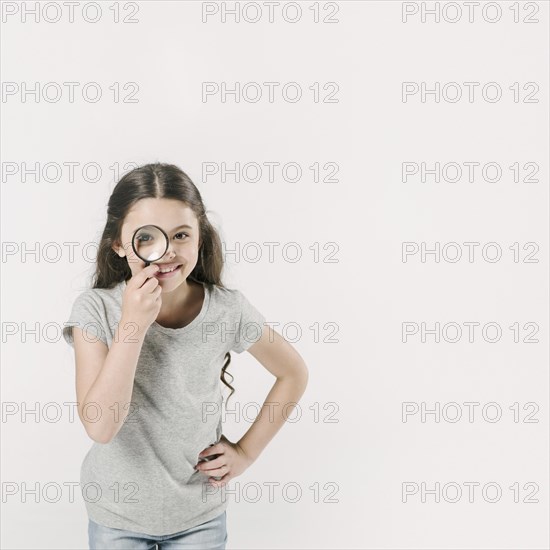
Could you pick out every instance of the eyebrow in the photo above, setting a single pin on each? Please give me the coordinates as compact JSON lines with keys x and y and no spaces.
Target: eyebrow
{"x":179,"y":227}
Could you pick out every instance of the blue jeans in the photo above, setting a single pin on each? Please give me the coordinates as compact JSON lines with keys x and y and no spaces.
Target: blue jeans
{"x":211,"y":535}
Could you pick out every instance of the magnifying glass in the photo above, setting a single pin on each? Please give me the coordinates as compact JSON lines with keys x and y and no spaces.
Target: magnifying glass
{"x":150,"y":243}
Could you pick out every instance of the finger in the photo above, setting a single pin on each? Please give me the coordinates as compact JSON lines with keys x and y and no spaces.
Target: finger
{"x":140,"y":278}
{"x":219,"y":471}
{"x":216,"y":460}
{"x":213,"y":449}
{"x":210,"y":459}
{"x":151,"y":285}
{"x":207,"y":465}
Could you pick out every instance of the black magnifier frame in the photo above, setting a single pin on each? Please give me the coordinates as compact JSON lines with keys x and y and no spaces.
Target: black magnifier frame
{"x":148,"y":262}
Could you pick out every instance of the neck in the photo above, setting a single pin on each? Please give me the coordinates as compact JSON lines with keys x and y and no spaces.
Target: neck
{"x":177,"y":298}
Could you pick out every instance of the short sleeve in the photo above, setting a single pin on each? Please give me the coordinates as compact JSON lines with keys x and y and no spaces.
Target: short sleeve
{"x":86,"y":315}
{"x":250,"y":324}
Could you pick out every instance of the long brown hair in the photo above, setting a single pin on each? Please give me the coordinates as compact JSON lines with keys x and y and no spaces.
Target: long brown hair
{"x":158,"y":180}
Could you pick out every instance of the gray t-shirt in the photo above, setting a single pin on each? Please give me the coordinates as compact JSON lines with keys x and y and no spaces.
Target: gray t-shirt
{"x":143,"y":480}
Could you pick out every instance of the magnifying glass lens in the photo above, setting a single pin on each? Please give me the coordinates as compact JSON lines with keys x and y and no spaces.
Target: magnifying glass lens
{"x":150,"y":243}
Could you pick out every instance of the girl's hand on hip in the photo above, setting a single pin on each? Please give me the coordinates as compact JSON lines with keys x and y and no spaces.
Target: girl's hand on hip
{"x":230,"y":461}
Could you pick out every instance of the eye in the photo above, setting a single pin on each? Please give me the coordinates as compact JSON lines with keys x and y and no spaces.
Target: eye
{"x":144,"y":237}
{"x":181,"y":233}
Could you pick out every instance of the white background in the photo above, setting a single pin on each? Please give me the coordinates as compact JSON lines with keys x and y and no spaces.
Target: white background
{"x":368,"y":291}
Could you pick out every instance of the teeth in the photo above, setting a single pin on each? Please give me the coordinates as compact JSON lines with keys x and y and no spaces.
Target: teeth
{"x":168,"y":270}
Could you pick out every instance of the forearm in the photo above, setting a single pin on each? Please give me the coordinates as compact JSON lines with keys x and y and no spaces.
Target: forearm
{"x":277,"y":407}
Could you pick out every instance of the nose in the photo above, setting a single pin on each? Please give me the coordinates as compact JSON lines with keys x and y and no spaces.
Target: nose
{"x":170,"y":252}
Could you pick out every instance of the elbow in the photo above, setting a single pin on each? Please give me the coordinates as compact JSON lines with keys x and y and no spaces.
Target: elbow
{"x":304,"y":374}
{"x":102,"y":440}
{"x":299,"y":376}
{"x":305,"y":378}
{"x":97,"y":431}
{"x":99,"y":436}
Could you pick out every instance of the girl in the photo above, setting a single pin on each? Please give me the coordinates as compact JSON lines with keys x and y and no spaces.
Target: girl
{"x":150,"y":344}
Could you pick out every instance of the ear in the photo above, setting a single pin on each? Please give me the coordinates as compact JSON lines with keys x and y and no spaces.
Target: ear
{"x":119,"y":250}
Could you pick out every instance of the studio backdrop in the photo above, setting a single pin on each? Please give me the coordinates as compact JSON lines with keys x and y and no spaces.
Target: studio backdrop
{"x":378,"y":174}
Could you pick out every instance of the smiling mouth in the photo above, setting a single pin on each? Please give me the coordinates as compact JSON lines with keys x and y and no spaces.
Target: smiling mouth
{"x":169,"y":269}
